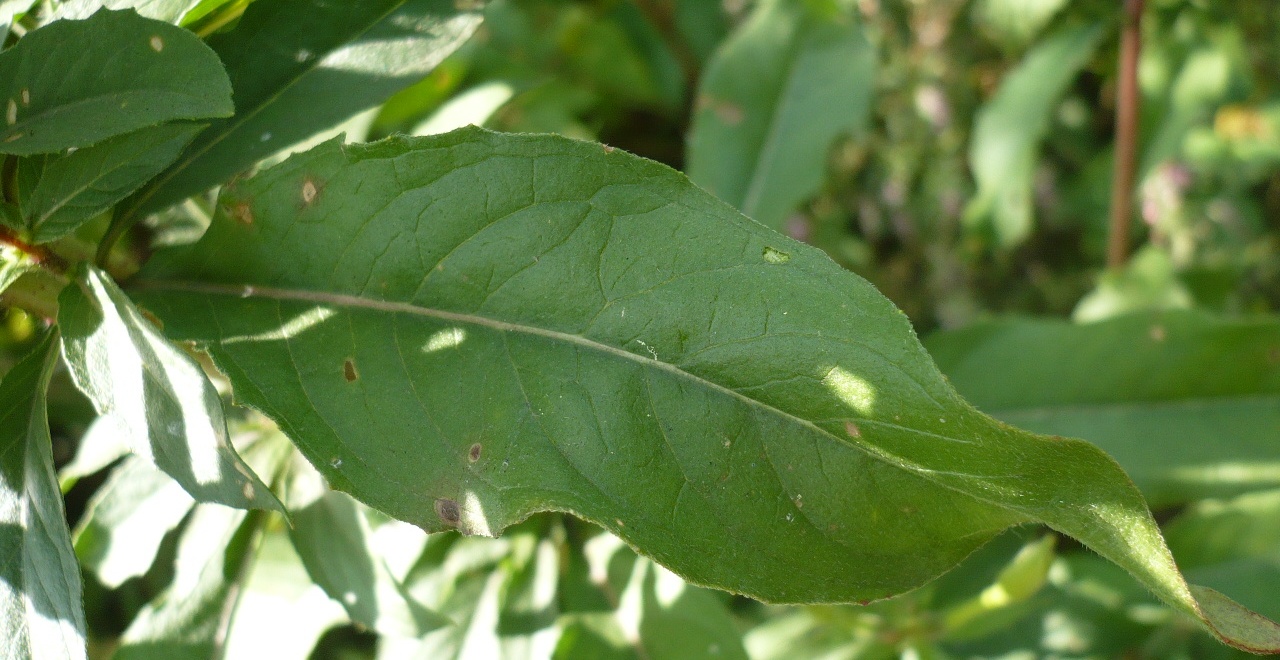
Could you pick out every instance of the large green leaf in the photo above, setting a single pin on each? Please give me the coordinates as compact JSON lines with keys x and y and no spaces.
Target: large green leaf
{"x":74,"y":83}
{"x":300,"y":66}
{"x":773,"y":99}
{"x":168,"y":410}
{"x":1010,"y":127}
{"x":1187,"y":403}
{"x":170,"y":11}
{"x":41,"y":614}
{"x":74,"y":188}
{"x":464,"y":329}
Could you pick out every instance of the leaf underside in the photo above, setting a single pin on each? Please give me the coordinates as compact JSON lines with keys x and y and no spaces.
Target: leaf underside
{"x":465,"y":329}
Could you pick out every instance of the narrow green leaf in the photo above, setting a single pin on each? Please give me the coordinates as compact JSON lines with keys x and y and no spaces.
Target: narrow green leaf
{"x":772,"y":101}
{"x":1187,"y":403}
{"x":214,"y":557}
{"x":1010,"y":127}
{"x":166,"y":406}
{"x":75,"y":83}
{"x":333,"y":539}
{"x":281,"y":613}
{"x":169,"y":11}
{"x":300,"y":66}
{"x":74,"y":188}
{"x":41,"y":613}
{"x":662,"y":616}
{"x":465,"y":329}
{"x":127,"y":519}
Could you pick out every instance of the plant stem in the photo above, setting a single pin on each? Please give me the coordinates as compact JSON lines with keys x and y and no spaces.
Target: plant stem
{"x":1127,"y":100}
{"x":38,"y":253}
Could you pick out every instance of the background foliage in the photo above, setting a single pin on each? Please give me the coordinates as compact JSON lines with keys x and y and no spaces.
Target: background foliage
{"x":956,"y":154}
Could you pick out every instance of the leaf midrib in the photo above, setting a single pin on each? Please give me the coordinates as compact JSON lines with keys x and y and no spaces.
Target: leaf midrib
{"x":1191,"y":403}
{"x":350,"y":301}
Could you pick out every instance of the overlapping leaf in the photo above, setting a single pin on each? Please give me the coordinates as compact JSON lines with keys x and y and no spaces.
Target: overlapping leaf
{"x":167,"y":408}
{"x":75,"y":83}
{"x":1187,"y":403}
{"x":773,"y":99}
{"x":465,"y":329}
{"x":301,"y":66}
{"x":41,"y":614}
{"x":72,"y":189}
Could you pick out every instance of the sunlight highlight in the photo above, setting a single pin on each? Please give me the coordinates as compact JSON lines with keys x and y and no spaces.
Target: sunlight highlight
{"x":292,"y":328}
{"x":852,"y":390}
{"x":447,"y":338}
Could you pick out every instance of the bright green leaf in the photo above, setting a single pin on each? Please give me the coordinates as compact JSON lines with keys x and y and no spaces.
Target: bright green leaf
{"x":333,"y":540}
{"x":281,"y":612}
{"x":772,"y":101}
{"x":214,"y":557}
{"x":301,"y":66}
{"x":41,"y":614}
{"x":1010,"y":127}
{"x":75,"y":83}
{"x":127,"y":519}
{"x":1187,"y":403}
{"x":166,"y":406}
{"x":13,"y":264}
{"x":169,"y":11}
{"x":74,"y":188}
{"x":466,"y":329}
{"x":665,"y":617}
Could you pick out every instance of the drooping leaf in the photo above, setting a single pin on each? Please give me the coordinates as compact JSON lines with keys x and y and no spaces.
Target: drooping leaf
{"x":661,"y":615}
{"x":127,"y":519}
{"x":74,"y":188}
{"x":772,"y":101}
{"x":101,"y":445}
{"x":300,"y":66}
{"x":1011,"y":125}
{"x":1187,"y":403}
{"x":166,"y":406}
{"x":214,"y":556}
{"x":462,"y":330}
{"x":75,"y":83}
{"x":333,"y":540}
{"x":41,"y":613}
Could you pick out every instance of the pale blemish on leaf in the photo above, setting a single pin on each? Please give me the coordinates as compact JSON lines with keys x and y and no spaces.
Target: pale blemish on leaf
{"x":1157,"y":333}
{"x":473,"y":454}
{"x":309,"y":191}
{"x":243,"y":213}
{"x":335,"y":463}
{"x":349,"y":370}
{"x":448,"y":511}
{"x":775,"y":256}
{"x":157,"y":44}
{"x":11,"y":113}
{"x":26,"y":96}
{"x":852,"y":430}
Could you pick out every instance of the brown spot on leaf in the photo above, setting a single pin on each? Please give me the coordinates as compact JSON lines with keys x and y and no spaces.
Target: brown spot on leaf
{"x":474,"y":452}
{"x":349,"y":370}
{"x":243,"y":213}
{"x":607,"y":149}
{"x":1157,"y":333}
{"x":151,"y":318}
{"x":448,"y":511}
{"x":852,"y":430}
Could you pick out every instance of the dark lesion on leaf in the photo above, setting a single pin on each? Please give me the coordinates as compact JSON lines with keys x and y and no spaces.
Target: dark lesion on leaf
{"x":448,"y":511}
{"x":349,"y":370}
{"x":474,"y":453}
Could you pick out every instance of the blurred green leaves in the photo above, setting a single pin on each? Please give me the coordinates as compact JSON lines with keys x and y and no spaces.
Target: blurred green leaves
{"x":773,"y":99}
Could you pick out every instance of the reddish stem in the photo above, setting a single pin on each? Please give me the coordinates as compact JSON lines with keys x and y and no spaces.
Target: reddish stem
{"x":1127,"y":100}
